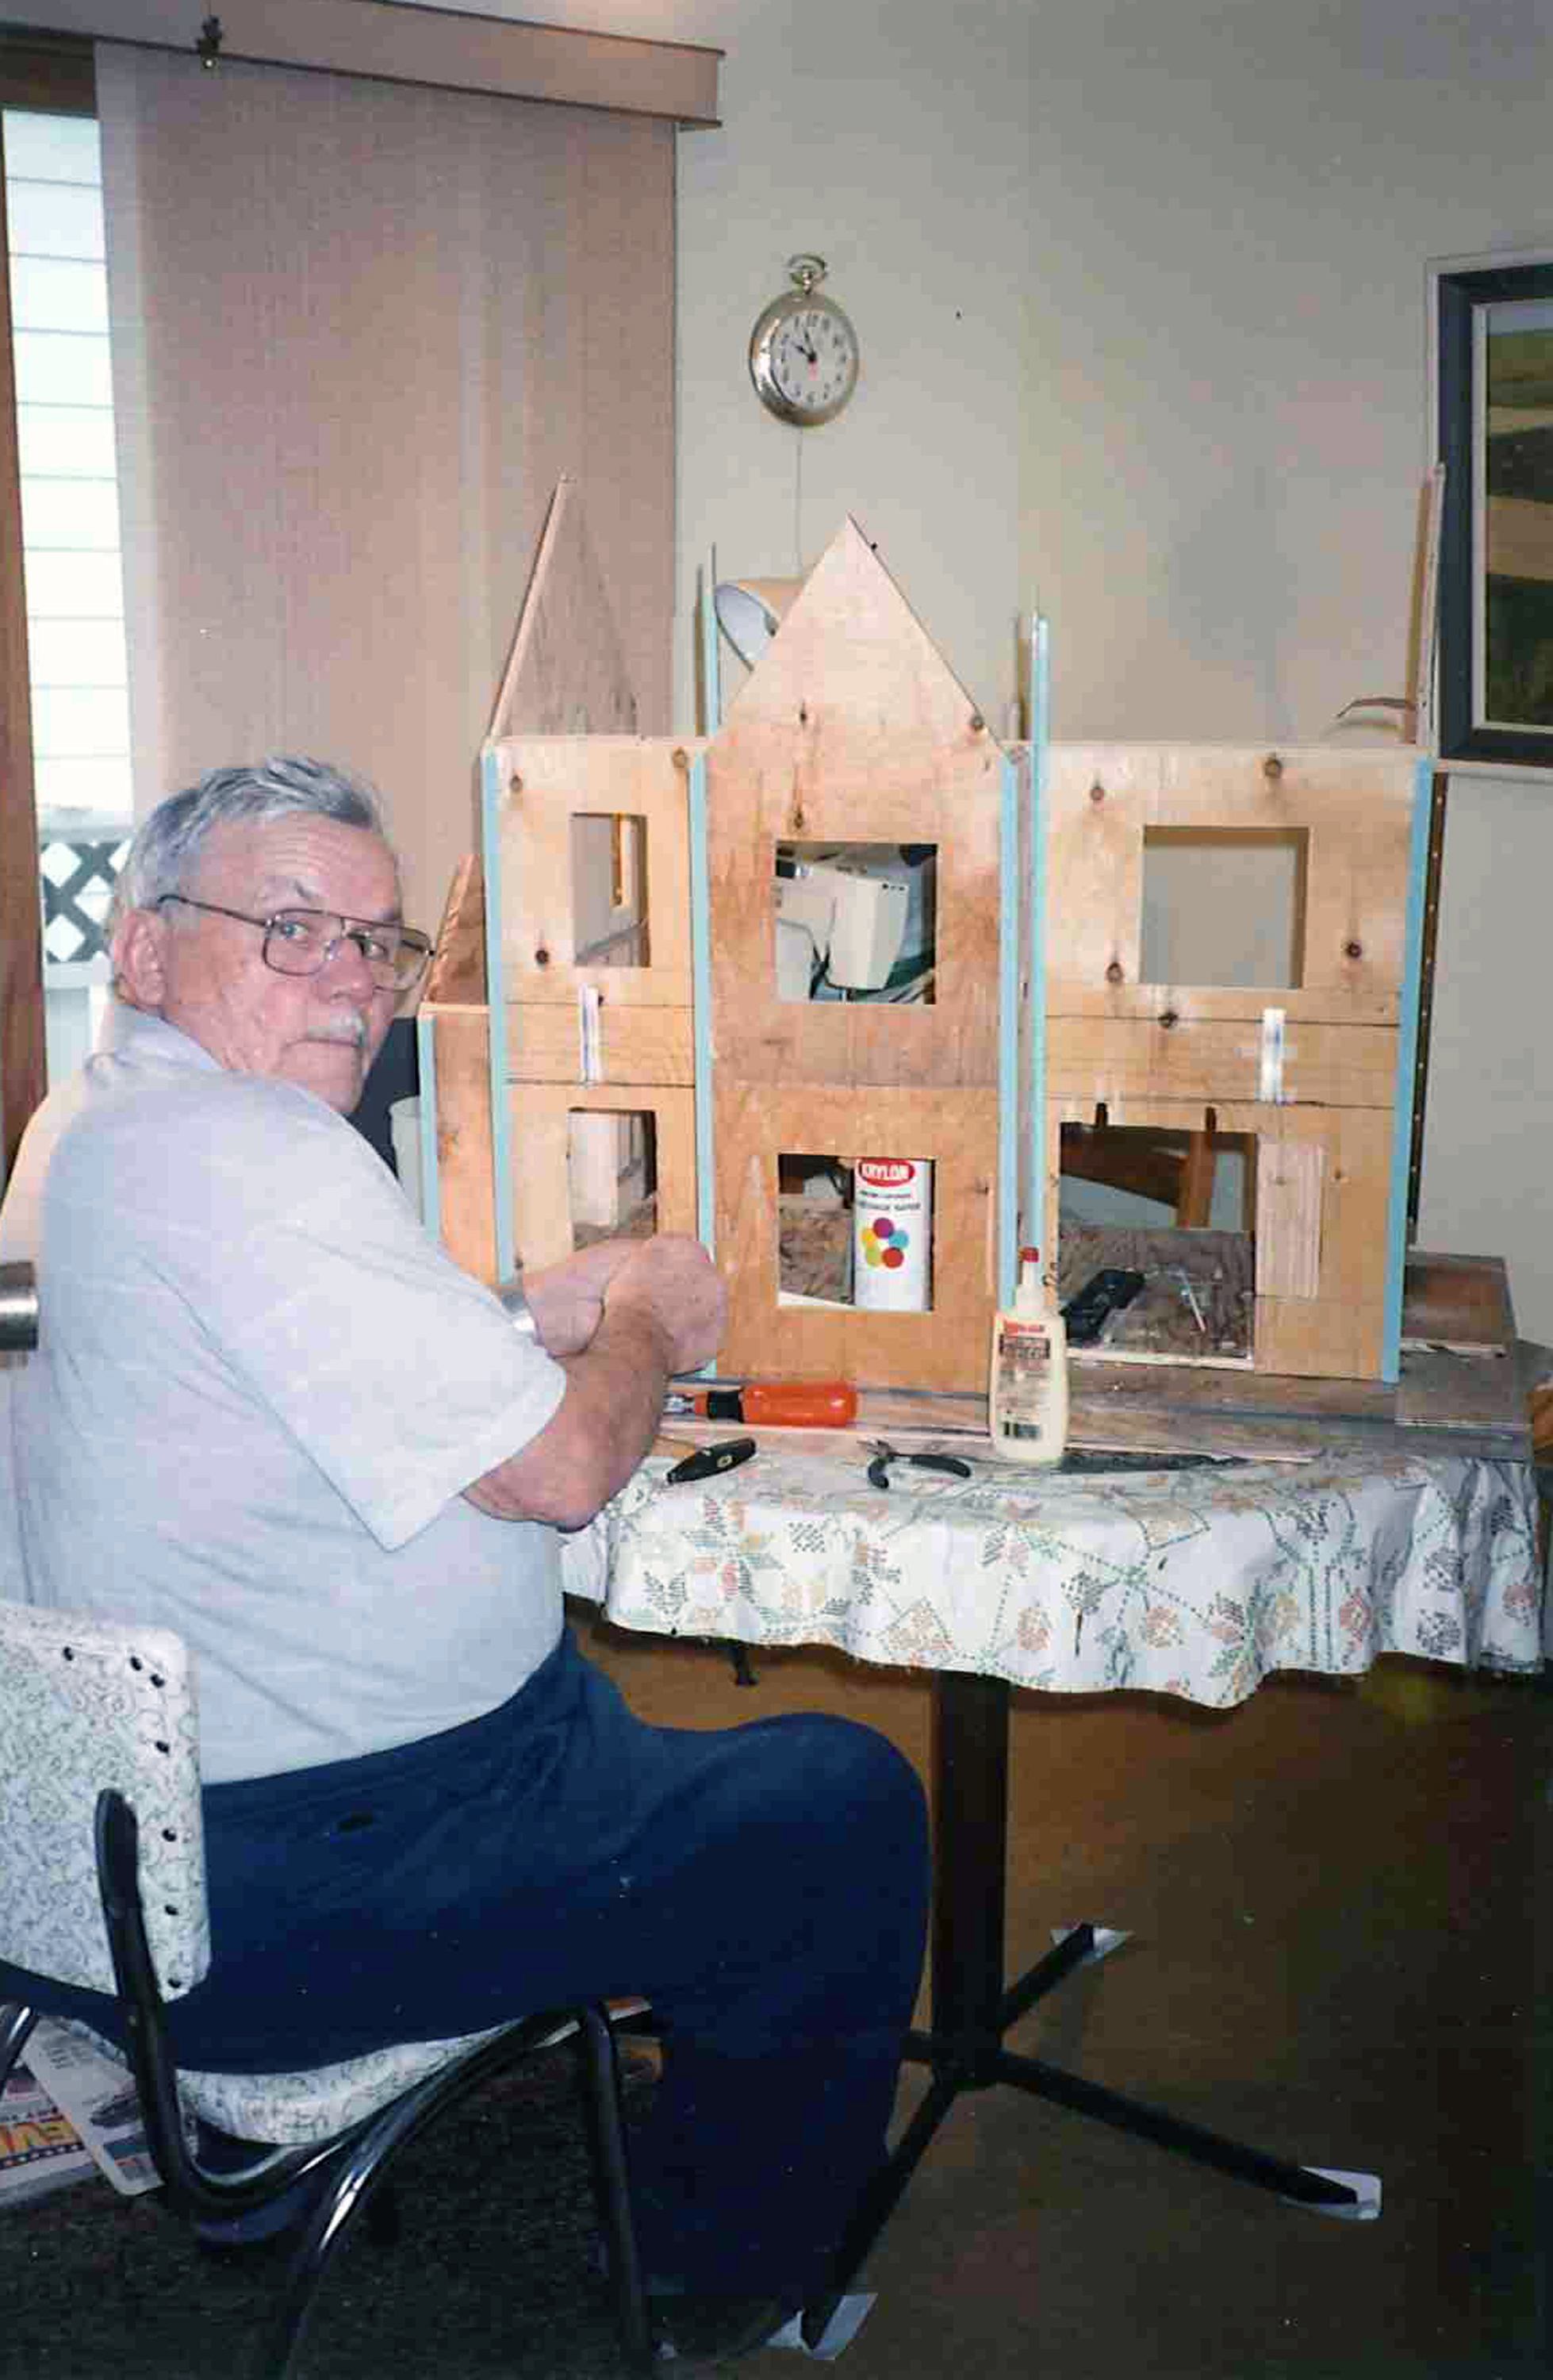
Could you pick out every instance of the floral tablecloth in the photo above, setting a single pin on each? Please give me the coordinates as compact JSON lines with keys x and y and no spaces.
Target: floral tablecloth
{"x":1196,"y":1582}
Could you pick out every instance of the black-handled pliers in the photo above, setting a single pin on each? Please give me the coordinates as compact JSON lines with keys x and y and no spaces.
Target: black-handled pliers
{"x":884,"y":1454}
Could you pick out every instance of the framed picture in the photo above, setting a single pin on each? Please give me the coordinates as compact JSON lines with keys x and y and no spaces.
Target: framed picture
{"x":1494,"y":435}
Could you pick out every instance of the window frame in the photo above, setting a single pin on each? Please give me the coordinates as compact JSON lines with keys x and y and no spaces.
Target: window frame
{"x":58,"y":78}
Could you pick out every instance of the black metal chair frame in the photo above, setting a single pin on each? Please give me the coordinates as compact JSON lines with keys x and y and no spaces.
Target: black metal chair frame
{"x":355,"y":2162}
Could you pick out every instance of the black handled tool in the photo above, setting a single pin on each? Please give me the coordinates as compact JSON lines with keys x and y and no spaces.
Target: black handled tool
{"x":884,"y":1455}
{"x":707,"y":1460}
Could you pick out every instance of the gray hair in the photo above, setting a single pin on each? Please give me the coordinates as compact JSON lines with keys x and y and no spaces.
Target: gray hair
{"x":166,"y":845}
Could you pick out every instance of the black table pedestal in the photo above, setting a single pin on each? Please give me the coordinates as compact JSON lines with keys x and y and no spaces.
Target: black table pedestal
{"x":972,"y":2009}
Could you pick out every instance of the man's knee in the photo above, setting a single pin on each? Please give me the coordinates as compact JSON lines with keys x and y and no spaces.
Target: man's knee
{"x":828,"y":1770}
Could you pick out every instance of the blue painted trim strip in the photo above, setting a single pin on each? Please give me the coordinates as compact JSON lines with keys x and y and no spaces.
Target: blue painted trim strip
{"x":700,"y":981}
{"x":1407,"y":1060}
{"x":1040,"y":712}
{"x":426,"y":1076}
{"x":1010,"y":907}
{"x":496,"y":996}
{"x":711,"y":657}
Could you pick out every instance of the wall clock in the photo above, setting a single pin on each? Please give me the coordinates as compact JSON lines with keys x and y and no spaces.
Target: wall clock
{"x":802,"y":350}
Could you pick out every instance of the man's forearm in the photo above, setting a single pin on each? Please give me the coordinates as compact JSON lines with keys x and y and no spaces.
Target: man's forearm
{"x":597,"y":1434}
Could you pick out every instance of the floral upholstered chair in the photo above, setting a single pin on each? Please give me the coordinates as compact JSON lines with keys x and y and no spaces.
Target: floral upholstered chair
{"x":103,"y":1887}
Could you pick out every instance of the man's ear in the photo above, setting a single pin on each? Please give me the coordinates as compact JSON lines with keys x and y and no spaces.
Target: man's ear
{"x":140,"y":964}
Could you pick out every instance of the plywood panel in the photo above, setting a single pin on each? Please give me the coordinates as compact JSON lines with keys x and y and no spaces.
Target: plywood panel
{"x":1358,"y":811}
{"x":636,"y":1045}
{"x":463,"y":1161}
{"x":949,"y":800}
{"x":852,"y":661}
{"x":853,"y":730}
{"x":958,"y":1130}
{"x":541,"y":1190}
{"x":566,"y":674}
{"x":1321,"y":1338}
{"x":1191,"y":1057}
{"x":457,"y":971}
{"x":1097,"y":800}
{"x":1355,"y":810}
{"x":1339,"y":1332}
{"x":546,"y":782}
{"x":1289,"y":1178}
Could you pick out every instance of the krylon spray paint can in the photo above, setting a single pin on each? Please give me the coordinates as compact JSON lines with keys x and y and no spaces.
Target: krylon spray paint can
{"x":893,"y":1234}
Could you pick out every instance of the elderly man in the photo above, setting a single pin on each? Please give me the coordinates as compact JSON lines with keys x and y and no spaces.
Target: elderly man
{"x":268,"y":1412}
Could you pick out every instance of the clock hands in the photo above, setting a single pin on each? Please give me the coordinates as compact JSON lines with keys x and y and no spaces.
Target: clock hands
{"x":803,"y":351}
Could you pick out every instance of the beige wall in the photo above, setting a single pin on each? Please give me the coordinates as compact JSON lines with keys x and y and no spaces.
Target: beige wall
{"x":1140,"y":287}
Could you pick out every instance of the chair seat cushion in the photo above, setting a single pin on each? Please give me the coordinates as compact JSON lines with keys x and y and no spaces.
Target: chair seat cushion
{"x":290,"y":2110}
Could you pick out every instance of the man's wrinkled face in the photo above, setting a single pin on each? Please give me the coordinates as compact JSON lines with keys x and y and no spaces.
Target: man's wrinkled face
{"x":207,"y":975}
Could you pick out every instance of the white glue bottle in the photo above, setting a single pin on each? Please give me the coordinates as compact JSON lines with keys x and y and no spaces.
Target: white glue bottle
{"x":1028,"y":1397}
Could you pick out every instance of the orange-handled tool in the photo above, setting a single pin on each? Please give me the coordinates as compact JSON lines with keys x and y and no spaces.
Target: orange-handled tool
{"x":780,"y":1404}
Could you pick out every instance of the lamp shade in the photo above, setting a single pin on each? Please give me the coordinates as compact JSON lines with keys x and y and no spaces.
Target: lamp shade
{"x":750,"y":611}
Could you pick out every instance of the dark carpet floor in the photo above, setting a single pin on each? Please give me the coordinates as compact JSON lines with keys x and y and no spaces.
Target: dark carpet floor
{"x":494,"y":2272}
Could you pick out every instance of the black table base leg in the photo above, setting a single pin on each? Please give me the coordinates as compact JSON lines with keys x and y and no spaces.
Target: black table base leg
{"x":1146,"y":2123}
{"x":972,"y":2010}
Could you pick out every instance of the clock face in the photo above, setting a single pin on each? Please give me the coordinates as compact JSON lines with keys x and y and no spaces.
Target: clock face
{"x":803,"y":358}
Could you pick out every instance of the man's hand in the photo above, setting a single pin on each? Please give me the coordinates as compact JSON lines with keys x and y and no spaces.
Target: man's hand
{"x":674,"y":1280}
{"x":672,"y":1275}
{"x":663,"y":1305}
{"x":567,"y":1300}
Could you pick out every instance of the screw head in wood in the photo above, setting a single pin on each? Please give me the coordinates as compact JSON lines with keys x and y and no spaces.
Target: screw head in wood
{"x":1168,"y":1018}
{"x":1354,"y":950}
{"x":1097,"y":791}
{"x":1272,"y":768}
{"x":1115,"y":972}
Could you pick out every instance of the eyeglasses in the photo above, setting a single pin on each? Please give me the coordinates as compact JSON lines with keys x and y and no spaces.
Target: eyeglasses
{"x":302,"y":941}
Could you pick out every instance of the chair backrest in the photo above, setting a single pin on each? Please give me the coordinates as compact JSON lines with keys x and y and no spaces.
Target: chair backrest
{"x":86,"y":1703}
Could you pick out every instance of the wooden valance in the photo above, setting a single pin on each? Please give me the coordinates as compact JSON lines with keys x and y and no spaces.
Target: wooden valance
{"x":439,"y":47}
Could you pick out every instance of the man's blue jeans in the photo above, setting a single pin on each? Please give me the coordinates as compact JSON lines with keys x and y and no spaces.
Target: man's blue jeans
{"x":765,"y":1886}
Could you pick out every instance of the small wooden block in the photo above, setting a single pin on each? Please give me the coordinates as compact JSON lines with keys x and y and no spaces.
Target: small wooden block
{"x":1289,"y":1178}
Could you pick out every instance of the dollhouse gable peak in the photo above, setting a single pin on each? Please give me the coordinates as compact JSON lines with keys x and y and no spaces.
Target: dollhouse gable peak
{"x":851,"y":653}
{"x":566,"y":672}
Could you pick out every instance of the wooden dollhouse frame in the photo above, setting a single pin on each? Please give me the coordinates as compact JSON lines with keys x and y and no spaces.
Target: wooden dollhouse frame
{"x":852,"y":728}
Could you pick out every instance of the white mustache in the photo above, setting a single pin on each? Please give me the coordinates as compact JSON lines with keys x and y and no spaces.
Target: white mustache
{"x":350,"y":1030}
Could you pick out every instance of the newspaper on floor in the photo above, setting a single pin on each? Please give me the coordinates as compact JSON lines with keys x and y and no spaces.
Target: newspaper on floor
{"x":40,"y":2149}
{"x":95,"y":2093}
